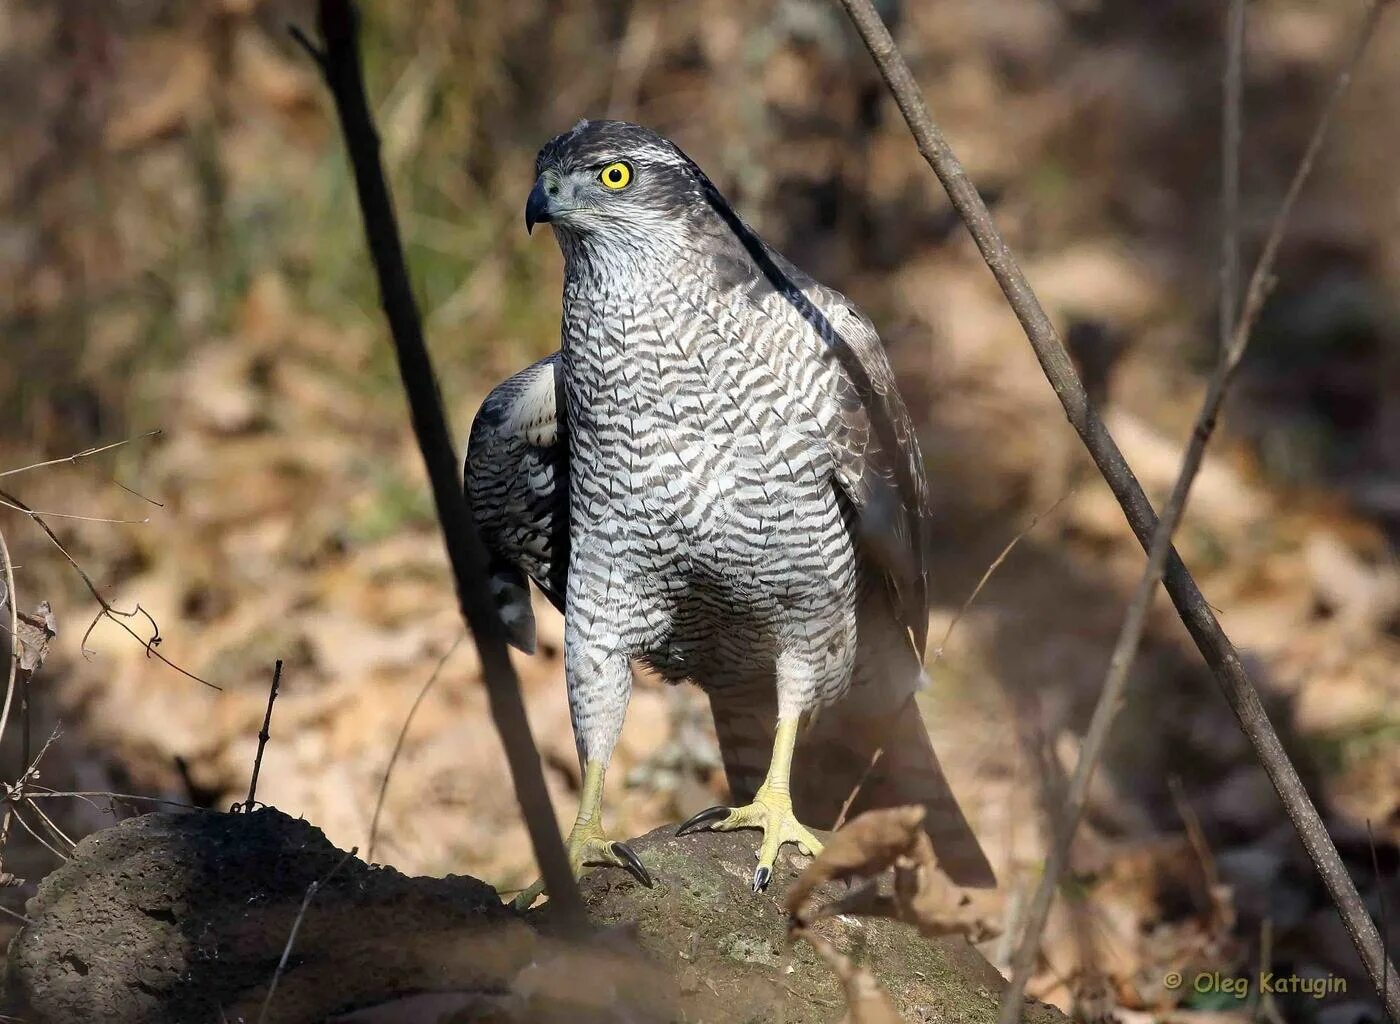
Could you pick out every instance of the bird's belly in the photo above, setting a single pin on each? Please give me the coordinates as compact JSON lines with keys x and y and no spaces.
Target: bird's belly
{"x":730,"y":544}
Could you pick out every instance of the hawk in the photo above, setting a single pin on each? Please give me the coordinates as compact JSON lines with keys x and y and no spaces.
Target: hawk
{"x":715,"y":476}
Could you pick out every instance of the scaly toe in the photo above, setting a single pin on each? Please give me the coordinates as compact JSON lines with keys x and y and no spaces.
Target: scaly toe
{"x":770,"y":813}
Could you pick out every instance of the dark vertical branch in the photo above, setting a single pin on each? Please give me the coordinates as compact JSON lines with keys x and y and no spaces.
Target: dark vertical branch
{"x":1191,"y":605}
{"x":339,"y":61}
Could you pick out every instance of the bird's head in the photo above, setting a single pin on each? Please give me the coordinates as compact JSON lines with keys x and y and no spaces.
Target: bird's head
{"x":611,"y":181}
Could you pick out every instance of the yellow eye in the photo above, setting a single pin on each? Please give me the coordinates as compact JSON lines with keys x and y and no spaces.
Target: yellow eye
{"x":616,"y":176}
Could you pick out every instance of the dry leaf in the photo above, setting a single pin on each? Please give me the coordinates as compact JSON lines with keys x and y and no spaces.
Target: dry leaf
{"x":35,"y":631}
{"x":865,"y":847}
{"x":922,"y":895}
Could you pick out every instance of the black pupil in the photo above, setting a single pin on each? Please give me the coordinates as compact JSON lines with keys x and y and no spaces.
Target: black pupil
{"x":615,"y":175}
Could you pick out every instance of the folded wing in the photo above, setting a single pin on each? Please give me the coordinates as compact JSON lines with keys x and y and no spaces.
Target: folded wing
{"x":517,"y":484}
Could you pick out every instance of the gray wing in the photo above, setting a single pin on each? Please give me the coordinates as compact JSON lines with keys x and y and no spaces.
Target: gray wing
{"x":864,"y":423}
{"x":517,"y":481}
{"x":880,"y":466}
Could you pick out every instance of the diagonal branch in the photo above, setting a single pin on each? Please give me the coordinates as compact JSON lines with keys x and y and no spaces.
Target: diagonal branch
{"x":339,"y":62}
{"x":1135,"y":620}
{"x":1195,"y":613}
{"x":106,"y":610}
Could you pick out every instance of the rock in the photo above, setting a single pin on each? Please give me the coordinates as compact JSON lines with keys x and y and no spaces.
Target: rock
{"x":730,"y":952}
{"x":178,"y":917}
{"x":184,"y":917}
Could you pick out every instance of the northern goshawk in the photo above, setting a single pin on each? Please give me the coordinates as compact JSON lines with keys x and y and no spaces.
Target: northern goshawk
{"x":715,"y":476}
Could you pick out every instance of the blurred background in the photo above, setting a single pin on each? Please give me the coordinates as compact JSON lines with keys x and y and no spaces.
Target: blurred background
{"x":180,"y":251}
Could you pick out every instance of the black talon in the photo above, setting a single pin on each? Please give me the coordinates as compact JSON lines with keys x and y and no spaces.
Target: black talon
{"x":632,"y":863}
{"x":705,"y":817}
{"x":761,"y":877}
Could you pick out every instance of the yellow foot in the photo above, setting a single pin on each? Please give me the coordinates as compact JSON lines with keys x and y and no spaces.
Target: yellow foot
{"x":588,"y":847}
{"x":771,"y":812}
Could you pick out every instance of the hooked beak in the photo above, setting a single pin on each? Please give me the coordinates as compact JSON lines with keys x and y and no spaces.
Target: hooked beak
{"x":538,"y":207}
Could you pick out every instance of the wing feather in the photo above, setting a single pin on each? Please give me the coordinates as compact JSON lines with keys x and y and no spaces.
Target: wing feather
{"x":517,"y":484}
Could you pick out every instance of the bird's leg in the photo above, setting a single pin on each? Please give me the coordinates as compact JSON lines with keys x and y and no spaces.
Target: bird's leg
{"x":770,"y":811}
{"x":599,"y":681}
{"x":587,"y":845}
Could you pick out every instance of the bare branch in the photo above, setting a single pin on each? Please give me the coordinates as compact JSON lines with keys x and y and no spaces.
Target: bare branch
{"x":75,"y":458}
{"x":263,"y":736}
{"x":37,"y":837}
{"x":15,"y":914}
{"x":991,"y":571}
{"x":339,"y":62}
{"x":1231,"y":121}
{"x":144,"y":497}
{"x":1135,"y":620}
{"x":311,"y":891}
{"x":54,"y":830}
{"x":106,"y":610}
{"x":1195,"y":612}
{"x":86,"y":519}
{"x":44,"y":793}
{"x":398,"y":747}
{"x":1380,"y":899}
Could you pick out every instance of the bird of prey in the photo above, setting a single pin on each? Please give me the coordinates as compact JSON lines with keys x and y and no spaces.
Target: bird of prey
{"x":715,"y":476}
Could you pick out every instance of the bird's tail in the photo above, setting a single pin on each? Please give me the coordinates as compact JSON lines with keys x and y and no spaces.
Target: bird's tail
{"x":510,"y":590}
{"x":838,"y":758}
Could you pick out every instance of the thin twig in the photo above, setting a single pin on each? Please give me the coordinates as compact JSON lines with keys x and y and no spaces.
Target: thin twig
{"x":263,"y":736}
{"x":1195,"y":835}
{"x":938,"y":653}
{"x":311,"y":891}
{"x":339,"y":63}
{"x":78,"y":456}
{"x":57,"y":832}
{"x":144,"y":497}
{"x":1192,"y":607}
{"x":37,"y":837}
{"x":398,"y":747}
{"x":1134,"y":621}
{"x":12,"y":647}
{"x":1231,"y":133}
{"x":31,"y":771}
{"x":73,"y":515}
{"x":1125,"y":649}
{"x":106,"y":610}
{"x":15,"y":914}
{"x":860,"y":782}
{"x":93,"y":794}
{"x":991,"y":570}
